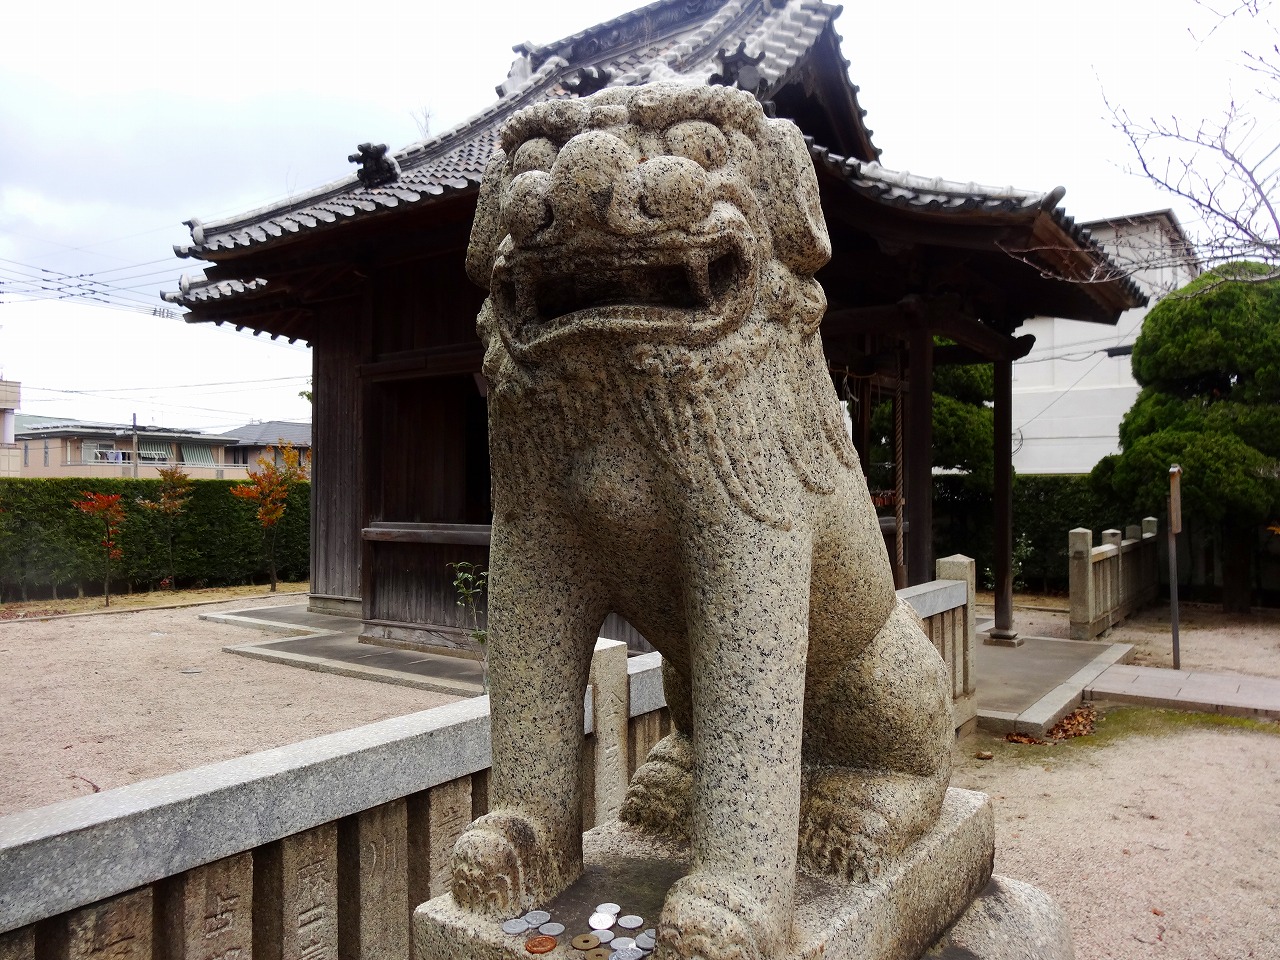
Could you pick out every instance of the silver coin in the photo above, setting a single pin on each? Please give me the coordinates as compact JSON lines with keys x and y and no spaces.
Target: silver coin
{"x":652,"y":934}
{"x":552,"y":929}
{"x":604,"y":936}
{"x":536,"y":918}
{"x":608,"y":908}
{"x":630,"y":922}
{"x":646,"y":942}
{"x":515,"y":927}
{"x":601,"y":921}
{"x":627,"y":953}
{"x":621,"y":943}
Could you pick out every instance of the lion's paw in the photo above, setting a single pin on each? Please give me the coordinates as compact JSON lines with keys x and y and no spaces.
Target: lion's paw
{"x":708,"y":918}
{"x":852,"y":824}
{"x":660,"y":798}
{"x":495,"y":865}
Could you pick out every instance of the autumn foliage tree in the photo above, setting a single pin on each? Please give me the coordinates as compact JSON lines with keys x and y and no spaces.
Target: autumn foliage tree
{"x":268,"y":486}
{"x":106,"y":507}
{"x":170,"y":505}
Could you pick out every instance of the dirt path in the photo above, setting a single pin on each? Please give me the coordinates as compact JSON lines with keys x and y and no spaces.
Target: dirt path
{"x":103,"y":701}
{"x":1159,"y":842}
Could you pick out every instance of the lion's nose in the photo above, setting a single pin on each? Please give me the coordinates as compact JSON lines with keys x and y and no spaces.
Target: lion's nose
{"x":587,"y":171}
{"x":674,"y":190}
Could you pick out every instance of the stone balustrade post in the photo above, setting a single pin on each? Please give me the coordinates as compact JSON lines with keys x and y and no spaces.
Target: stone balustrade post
{"x":1133,"y":532}
{"x":1080,"y":578}
{"x":610,"y":699}
{"x":960,"y":567}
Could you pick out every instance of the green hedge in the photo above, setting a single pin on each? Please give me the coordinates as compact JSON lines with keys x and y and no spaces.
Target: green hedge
{"x":47,"y":545}
{"x":1044,"y":509}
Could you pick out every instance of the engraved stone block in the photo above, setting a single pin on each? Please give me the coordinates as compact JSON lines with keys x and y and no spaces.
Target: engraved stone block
{"x":207,"y":913}
{"x":295,"y":893}
{"x":373,"y":884}
{"x":115,"y":929}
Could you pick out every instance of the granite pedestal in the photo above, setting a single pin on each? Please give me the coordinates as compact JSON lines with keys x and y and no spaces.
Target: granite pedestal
{"x":897,"y":916}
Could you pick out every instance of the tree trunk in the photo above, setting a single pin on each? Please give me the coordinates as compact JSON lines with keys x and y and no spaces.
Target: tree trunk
{"x":1237,"y":557}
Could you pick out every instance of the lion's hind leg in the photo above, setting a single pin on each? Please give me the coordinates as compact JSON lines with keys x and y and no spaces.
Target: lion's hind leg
{"x":659,"y":800}
{"x":877,"y":753}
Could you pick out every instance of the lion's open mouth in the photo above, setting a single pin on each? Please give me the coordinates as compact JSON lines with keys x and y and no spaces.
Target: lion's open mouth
{"x":544,"y":290}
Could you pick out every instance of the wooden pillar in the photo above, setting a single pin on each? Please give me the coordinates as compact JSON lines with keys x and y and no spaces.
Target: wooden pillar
{"x":920,"y":459}
{"x":1002,"y":632}
{"x":862,"y":425}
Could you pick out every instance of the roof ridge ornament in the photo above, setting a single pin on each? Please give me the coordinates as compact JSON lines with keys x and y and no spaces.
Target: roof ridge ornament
{"x":739,"y":69}
{"x":588,"y":80}
{"x":376,"y":168}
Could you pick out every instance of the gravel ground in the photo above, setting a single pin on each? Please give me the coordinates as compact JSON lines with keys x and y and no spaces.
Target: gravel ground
{"x":94,"y":702}
{"x":1158,"y":836}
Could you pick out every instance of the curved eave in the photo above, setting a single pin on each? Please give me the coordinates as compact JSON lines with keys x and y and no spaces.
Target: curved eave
{"x":1033,"y":229}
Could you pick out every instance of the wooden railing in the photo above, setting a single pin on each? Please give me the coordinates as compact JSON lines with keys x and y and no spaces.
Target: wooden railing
{"x":320,"y":850}
{"x":1111,"y":581}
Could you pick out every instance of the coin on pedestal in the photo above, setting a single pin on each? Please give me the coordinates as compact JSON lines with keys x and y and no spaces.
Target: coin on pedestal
{"x":540,"y":944}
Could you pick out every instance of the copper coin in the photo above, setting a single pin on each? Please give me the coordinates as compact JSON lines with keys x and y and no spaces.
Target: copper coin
{"x":585,"y":941}
{"x":599,"y":953}
{"x":542,"y":944}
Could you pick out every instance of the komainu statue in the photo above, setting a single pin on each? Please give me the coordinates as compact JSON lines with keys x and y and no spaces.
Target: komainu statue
{"x":666,"y":443}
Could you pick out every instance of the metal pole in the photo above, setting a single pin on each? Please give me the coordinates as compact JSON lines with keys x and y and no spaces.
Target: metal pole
{"x":135,"y":446}
{"x":1173,"y":586}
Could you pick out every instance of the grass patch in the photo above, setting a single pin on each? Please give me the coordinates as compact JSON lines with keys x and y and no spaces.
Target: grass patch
{"x":1114,"y":723}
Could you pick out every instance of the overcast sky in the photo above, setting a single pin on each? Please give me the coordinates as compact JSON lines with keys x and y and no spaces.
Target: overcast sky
{"x":120,"y":120}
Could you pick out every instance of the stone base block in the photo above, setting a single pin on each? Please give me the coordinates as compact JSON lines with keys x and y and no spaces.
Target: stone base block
{"x":1010,"y":920}
{"x":894,"y":917}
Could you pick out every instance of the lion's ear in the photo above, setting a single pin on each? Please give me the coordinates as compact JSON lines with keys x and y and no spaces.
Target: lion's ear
{"x":791,"y":200}
{"x":486,"y":230}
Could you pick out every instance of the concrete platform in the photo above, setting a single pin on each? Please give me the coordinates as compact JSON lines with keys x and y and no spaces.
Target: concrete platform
{"x":1028,"y":688}
{"x":330,"y":644}
{"x":1226,"y":693}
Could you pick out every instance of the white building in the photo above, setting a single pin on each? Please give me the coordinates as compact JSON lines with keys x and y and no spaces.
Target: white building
{"x":1075,"y":386}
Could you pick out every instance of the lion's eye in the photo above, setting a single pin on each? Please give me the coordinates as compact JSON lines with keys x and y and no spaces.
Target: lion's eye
{"x":536,"y":154}
{"x":698,"y":141}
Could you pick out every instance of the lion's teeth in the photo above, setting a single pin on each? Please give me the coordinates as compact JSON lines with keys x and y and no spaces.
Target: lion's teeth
{"x":699,"y":279}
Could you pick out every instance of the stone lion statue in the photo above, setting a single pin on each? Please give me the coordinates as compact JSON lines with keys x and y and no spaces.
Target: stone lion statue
{"x":666,"y":443}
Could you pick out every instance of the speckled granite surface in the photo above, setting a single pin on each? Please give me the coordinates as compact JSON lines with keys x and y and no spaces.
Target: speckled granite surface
{"x":894,"y":917}
{"x":666,"y":444}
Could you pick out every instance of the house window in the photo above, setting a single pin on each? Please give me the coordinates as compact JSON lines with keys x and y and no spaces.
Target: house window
{"x":46,"y":453}
{"x":26,"y":454}
{"x":106,"y":452}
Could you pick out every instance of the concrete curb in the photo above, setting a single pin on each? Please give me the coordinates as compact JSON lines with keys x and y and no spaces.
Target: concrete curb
{"x":257,"y":651}
{"x":1037,"y":719}
{"x":165,"y":606}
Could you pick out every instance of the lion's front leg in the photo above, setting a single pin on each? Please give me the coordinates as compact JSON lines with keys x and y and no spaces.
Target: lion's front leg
{"x":543,"y":620}
{"x":747,"y":604}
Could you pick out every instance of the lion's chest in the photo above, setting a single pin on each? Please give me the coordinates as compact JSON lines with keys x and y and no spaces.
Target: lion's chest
{"x":619,"y":488}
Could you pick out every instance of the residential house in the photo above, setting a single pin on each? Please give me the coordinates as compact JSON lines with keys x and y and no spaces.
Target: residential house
{"x":63,"y":447}
{"x":1075,"y":386}
{"x":10,"y":453}
{"x":246,"y":444}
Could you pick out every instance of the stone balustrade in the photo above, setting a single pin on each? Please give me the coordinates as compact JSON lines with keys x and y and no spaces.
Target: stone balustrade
{"x":1111,"y":581}
{"x":320,"y":850}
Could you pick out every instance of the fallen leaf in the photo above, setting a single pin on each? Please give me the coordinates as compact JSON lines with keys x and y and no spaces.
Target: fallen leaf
{"x":1157,"y":911}
{"x":984,"y":755}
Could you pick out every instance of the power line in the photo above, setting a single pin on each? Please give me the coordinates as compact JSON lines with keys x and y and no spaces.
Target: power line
{"x":183,"y":386}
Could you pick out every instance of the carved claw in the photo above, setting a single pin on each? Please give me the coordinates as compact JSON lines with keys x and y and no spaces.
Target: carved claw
{"x":853,"y":824}
{"x":660,"y":798}
{"x":709,"y":918}
{"x":495,"y":865}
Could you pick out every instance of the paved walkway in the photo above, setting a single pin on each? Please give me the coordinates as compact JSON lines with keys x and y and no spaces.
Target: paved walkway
{"x":1023,"y":689}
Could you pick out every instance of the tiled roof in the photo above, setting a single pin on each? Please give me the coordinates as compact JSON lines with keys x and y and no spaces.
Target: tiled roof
{"x":270,"y":433}
{"x":898,"y":188}
{"x":665,"y":39}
